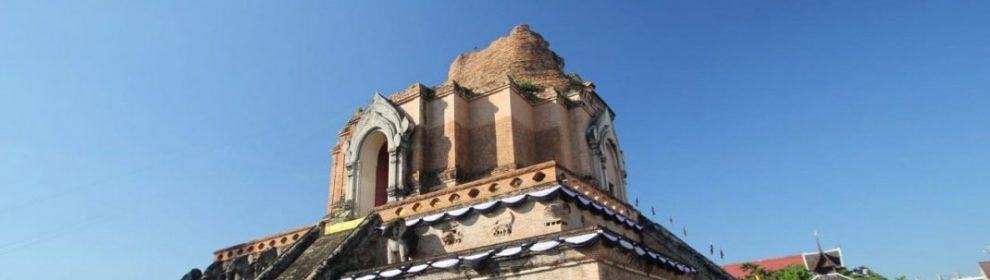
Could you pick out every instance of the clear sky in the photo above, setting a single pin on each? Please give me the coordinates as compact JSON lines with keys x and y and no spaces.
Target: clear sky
{"x":139,"y":136}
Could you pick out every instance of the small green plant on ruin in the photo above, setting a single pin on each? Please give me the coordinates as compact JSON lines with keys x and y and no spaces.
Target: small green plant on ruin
{"x":575,"y":77}
{"x":526,"y":86}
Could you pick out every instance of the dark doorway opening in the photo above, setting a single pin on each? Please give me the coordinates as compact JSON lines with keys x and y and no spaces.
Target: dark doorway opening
{"x":381,"y":176}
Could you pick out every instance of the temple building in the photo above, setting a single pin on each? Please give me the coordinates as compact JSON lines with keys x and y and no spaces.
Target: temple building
{"x":822,"y":264}
{"x":508,"y":169}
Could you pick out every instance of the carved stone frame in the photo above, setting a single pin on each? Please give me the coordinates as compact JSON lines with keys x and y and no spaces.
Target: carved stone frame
{"x":381,"y":115}
{"x":601,"y":131}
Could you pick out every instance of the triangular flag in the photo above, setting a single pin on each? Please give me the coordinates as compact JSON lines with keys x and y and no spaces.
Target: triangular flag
{"x":711,"y":248}
{"x":721,"y":254}
{"x":637,"y":202}
{"x":653,"y":210}
{"x":672,"y":220}
{"x":685,"y":231}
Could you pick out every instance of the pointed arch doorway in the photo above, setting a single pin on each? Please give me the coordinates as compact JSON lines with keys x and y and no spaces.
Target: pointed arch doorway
{"x":375,"y":158}
{"x":373,"y":172}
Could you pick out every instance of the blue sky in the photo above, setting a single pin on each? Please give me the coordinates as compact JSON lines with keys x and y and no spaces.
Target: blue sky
{"x":139,"y":136}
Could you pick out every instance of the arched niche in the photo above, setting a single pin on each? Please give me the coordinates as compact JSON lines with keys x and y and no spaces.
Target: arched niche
{"x":607,"y":159}
{"x":381,"y":128}
{"x":373,"y":165}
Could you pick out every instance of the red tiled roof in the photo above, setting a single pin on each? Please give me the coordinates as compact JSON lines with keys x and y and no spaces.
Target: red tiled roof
{"x":768,"y":264}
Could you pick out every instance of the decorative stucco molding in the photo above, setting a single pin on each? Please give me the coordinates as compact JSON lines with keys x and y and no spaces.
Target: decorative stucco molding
{"x":380,"y":116}
{"x":600,"y":132}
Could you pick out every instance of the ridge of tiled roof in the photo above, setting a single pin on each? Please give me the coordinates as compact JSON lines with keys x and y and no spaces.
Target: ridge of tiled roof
{"x":769,"y":264}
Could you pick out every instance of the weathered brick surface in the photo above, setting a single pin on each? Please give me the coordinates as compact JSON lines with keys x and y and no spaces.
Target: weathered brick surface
{"x":523,"y":55}
{"x":505,"y":114}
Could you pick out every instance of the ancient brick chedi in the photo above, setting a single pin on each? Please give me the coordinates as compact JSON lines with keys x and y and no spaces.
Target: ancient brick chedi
{"x":509,"y":169}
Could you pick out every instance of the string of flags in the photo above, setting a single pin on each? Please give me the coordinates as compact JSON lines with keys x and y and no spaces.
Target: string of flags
{"x":684,"y":230}
{"x":711,"y":251}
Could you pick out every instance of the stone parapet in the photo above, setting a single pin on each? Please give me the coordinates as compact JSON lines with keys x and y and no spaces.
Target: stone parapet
{"x":504,"y":184}
{"x":480,"y":190}
{"x":279,"y":241}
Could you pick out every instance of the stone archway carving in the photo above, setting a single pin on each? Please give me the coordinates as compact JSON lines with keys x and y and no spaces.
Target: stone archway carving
{"x":600,"y":133}
{"x":380,"y":116}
